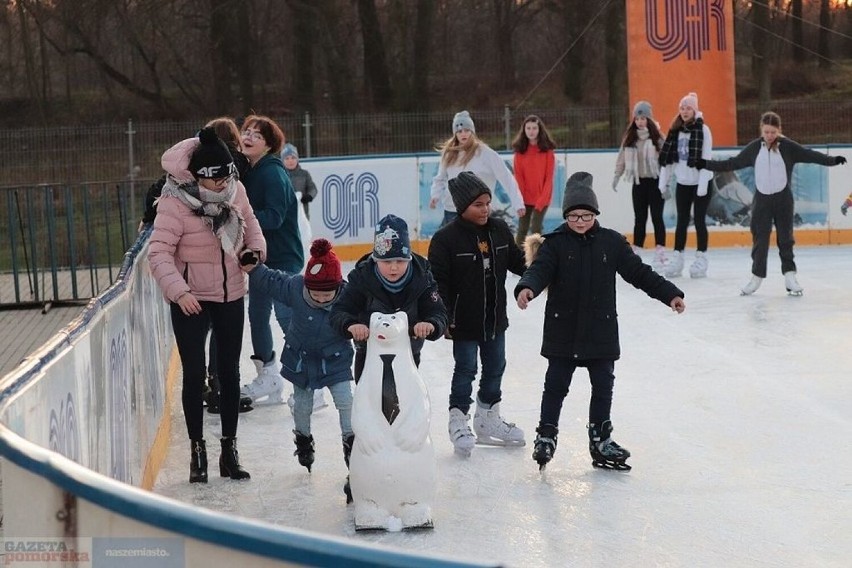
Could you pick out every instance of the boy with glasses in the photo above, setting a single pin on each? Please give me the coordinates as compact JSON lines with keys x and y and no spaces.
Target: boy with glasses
{"x":577,"y":264}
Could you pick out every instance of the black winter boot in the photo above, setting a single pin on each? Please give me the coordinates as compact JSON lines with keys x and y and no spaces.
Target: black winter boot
{"x":545,"y":444}
{"x":304,"y":449}
{"x":198,"y":461}
{"x":229,"y":461}
{"x":606,"y":454}
{"x":348,"y":442}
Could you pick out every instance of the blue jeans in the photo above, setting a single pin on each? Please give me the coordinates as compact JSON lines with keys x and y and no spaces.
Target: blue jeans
{"x":557,"y":380}
{"x":259,"y":309}
{"x":303,"y":407}
{"x":492,"y":354}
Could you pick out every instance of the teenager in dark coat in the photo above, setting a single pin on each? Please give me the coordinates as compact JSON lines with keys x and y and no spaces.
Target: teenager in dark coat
{"x":470,"y":257}
{"x":577,"y":263}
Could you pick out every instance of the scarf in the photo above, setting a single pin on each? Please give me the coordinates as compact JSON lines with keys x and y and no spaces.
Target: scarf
{"x":394,"y":287}
{"x":215,"y":208}
{"x":645,"y":151}
{"x":668,"y":155}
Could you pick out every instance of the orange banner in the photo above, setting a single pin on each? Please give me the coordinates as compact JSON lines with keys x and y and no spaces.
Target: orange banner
{"x":679,"y":46}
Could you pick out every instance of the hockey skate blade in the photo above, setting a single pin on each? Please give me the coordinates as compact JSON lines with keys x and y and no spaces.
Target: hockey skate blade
{"x":793,"y":294}
{"x":612,"y":466}
{"x":374,"y":528}
{"x":489,"y":441}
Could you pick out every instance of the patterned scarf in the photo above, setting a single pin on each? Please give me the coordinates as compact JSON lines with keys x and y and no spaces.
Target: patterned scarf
{"x":668,"y":155}
{"x":216,"y":208}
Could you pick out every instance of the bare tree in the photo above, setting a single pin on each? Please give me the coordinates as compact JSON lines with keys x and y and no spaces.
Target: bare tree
{"x":824,"y":28}
{"x":508,"y":16}
{"x":797,"y":31}
{"x":616,"y":66}
{"x":375,"y":62}
{"x":760,"y":65}
{"x":304,"y":37}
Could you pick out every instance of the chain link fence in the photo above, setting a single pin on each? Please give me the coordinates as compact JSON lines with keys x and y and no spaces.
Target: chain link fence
{"x":132,"y":151}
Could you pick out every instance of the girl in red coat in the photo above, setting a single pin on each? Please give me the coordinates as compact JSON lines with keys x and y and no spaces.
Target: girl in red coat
{"x":534,"y":163}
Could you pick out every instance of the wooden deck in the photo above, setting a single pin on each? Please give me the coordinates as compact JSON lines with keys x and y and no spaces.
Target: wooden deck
{"x":22,"y":331}
{"x":81,"y":285}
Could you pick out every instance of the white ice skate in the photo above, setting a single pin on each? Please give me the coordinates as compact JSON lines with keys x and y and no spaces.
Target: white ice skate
{"x":460,"y":434}
{"x":660,"y":259}
{"x":698,"y":269}
{"x":793,"y":286}
{"x":492,"y":430}
{"x":675,"y":266}
{"x":752,"y":286}
{"x":267,"y":386}
{"x":319,"y":401}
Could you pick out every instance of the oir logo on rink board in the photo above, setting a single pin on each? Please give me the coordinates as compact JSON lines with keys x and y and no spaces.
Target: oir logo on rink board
{"x":350,"y":203}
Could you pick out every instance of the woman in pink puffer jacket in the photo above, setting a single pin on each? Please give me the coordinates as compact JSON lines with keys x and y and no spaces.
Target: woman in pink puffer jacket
{"x":204,"y":226}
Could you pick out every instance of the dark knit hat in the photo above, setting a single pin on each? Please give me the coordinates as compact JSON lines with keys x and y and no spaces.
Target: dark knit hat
{"x":465,"y":188}
{"x":579,"y":194}
{"x":391,"y":241}
{"x":211,"y":159}
{"x":323,"y":270}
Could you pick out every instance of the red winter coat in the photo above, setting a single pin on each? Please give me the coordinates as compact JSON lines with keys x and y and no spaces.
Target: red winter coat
{"x":534,"y":174}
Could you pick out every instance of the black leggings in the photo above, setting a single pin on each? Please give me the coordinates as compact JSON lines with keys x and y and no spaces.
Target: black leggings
{"x":646,"y":195}
{"x":685,"y":197}
{"x":190,"y":332}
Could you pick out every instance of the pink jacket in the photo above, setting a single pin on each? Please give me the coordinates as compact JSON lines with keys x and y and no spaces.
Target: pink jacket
{"x":184,"y":253}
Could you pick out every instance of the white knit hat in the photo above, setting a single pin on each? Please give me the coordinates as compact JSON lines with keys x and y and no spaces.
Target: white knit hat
{"x":691,"y":101}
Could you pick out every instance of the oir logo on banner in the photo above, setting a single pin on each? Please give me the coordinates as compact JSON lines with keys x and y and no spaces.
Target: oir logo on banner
{"x":686,"y":27}
{"x":350,"y":203}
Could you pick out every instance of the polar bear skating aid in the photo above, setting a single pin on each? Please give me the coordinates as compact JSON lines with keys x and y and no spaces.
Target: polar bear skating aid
{"x":392,"y":467}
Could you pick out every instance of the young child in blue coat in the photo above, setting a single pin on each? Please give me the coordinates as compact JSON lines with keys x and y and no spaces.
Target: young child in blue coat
{"x":315,"y":356}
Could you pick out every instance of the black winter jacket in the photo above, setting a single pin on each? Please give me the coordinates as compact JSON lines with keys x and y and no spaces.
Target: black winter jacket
{"x":580,"y":317}
{"x":473,"y":312}
{"x":364,"y":294}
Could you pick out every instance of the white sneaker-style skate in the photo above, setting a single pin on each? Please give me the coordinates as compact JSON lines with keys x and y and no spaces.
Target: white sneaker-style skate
{"x":660,"y":259}
{"x":793,"y":286}
{"x":319,"y":401}
{"x":675,"y":266}
{"x":460,"y":434}
{"x":752,"y":286}
{"x":698,"y":269}
{"x":267,"y":386}
{"x":492,"y":430}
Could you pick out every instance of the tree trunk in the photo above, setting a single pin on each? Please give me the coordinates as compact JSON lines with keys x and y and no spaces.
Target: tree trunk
{"x":616,"y":68}
{"x":504,"y":26}
{"x":824,"y":28}
{"x":375,"y":63}
{"x":574,"y":19}
{"x":221,"y":41}
{"x":304,"y":36}
{"x":798,"y":32}
{"x":760,"y":67}
{"x":243,"y":66}
{"x":29,"y":62}
{"x":422,"y":54}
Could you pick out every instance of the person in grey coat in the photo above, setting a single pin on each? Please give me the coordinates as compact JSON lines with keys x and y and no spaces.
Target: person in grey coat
{"x":303,"y":183}
{"x":772,"y":156}
{"x":577,"y":264}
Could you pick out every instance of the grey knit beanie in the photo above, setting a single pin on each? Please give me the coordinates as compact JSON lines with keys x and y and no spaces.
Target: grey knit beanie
{"x":579,"y":194}
{"x":642,"y":109}
{"x":465,"y":188}
{"x":462,"y":120}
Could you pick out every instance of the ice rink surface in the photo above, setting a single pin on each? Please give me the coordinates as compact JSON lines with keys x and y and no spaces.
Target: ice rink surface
{"x":737,"y":414}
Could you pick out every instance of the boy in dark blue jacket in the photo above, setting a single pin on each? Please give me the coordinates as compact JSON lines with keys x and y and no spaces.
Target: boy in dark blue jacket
{"x":470,"y":257}
{"x":577,"y":263}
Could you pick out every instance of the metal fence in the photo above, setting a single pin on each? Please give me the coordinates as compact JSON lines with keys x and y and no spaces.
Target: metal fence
{"x":132,"y":151}
{"x":64,"y":243}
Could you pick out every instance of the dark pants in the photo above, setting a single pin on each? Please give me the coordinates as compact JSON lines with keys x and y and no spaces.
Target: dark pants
{"x":685,"y":197}
{"x":557,"y":380}
{"x":361,"y":359}
{"x":766,"y":210}
{"x":531,"y":222}
{"x":492,"y":354}
{"x":190,"y":332}
{"x":646,"y":195}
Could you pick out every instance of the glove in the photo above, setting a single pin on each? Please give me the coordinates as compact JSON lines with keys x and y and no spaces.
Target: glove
{"x":666,"y":194}
{"x":844,"y":208}
{"x":615,"y":183}
{"x":307,"y":198}
{"x":702,"y":190}
{"x":248,"y":258}
{"x":701,"y":164}
{"x":839,"y":161}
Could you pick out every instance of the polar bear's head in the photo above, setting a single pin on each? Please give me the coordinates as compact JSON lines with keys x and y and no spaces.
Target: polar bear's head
{"x":388,"y":332}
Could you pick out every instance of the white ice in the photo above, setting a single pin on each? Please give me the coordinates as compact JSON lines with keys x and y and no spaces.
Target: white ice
{"x":737,"y":414}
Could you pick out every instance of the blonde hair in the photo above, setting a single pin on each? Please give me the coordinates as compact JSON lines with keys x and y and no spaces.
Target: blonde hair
{"x":455,"y":153}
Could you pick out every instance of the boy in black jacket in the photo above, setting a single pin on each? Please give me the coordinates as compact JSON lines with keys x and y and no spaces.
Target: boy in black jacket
{"x":577,"y":263}
{"x":390,"y":279}
{"x":470,"y":257}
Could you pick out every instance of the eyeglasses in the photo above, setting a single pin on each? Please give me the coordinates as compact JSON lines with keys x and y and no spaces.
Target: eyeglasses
{"x":252,"y":134}
{"x":585,"y":217}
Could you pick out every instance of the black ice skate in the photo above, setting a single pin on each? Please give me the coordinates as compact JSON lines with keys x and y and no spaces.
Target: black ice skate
{"x":304,"y":449}
{"x":348,"y":442}
{"x":211,"y":397}
{"x":606,"y":454}
{"x":545,"y":445}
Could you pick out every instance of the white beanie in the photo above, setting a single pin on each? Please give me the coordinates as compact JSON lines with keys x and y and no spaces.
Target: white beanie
{"x":690,"y":100}
{"x":462,"y":120}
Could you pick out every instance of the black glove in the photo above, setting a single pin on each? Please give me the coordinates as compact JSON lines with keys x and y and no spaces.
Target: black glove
{"x":306,"y":198}
{"x":839,"y":160}
{"x":700,"y":164}
{"x":248,"y":258}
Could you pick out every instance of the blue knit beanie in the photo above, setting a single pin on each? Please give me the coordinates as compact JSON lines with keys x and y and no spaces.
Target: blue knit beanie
{"x":391,"y":239}
{"x":289,"y":150}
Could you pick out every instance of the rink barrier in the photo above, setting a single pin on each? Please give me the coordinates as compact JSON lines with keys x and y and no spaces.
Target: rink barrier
{"x":355,"y":192}
{"x":84,"y":429}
